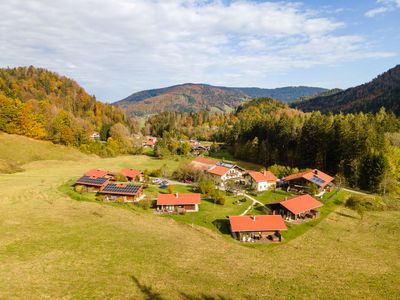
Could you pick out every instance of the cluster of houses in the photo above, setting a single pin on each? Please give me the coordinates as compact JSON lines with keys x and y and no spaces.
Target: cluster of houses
{"x":245,"y":228}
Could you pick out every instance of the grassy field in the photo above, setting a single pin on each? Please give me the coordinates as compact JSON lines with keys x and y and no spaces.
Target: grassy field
{"x":53,"y":247}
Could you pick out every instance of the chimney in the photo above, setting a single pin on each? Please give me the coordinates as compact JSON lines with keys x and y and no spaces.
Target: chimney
{"x":176,"y":195}
{"x":254,"y":218}
{"x":315,"y":171}
{"x":265,"y":172}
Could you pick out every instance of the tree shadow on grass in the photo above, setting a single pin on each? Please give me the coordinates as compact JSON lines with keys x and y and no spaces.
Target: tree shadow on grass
{"x":146,"y":290}
{"x":345,"y":215}
{"x":202,"y":297}
{"x":222,"y":225}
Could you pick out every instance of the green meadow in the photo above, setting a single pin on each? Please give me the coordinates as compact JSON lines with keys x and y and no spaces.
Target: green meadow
{"x":55,"y":247}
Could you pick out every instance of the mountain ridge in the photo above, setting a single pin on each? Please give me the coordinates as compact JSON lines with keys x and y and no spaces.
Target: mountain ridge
{"x":198,"y":96}
{"x":382,"y":91}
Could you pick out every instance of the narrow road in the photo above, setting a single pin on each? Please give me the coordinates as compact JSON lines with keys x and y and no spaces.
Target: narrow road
{"x":251,"y":205}
{"x":355,"y":192}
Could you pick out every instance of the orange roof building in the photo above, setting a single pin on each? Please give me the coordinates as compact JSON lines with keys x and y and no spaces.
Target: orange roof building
{"x":132,"y":174}
{"x":96,"y":173}
{"x":298,"y":207}
{"x":178,"y":202}
{"x":252,"y":228}
{"x":300,"y":180}
{"x":203,"y":163}
{"x":261,"y":181}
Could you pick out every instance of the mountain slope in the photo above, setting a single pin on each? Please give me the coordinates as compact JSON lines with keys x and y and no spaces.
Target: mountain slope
{"x":196,"y":97}
{"x":383,"y":91}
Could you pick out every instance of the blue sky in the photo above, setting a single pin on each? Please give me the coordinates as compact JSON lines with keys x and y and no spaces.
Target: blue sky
{"x":116,"y":47}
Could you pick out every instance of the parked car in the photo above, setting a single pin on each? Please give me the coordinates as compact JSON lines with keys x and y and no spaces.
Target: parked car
{"x":156,"y":180}
{"x":165,"y":182}
{"x":163,"y":186}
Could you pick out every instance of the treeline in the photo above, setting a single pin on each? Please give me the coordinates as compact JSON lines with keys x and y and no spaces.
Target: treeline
{"x":204,"y":125}
{"x":356,"y":147}
{"x":43,"y":105}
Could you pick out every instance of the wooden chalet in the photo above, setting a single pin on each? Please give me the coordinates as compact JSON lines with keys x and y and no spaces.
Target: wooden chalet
{"x":126,"y":192}
{"x":257,"y":228}
{"x":99,"y":173}
{"x":260,"y":181}
{"x":92,"y":183}
{"x":300,"y":181}
{"x":298,"y":208}
{"x":132,"y":174}
{"x":178,"y":203}
{"x":150,"y":142}
{"x":203,"y":163}
{"x":223,"y":172}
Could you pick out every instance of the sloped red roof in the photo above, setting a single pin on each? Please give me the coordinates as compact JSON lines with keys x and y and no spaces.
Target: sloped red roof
{"x":131,"y":173}
{"x":178,"y":199}
{"x":300,"y":204}
{"x":204,"y":160}
{"x":309,"y":175}
{"x":218,"y":170}
{"x":260,"y":177}
{"x":96,"y":173}
{"x":257,"y":223}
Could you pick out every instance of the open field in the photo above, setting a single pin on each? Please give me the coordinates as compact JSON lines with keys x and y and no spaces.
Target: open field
{"x":52,"y":246}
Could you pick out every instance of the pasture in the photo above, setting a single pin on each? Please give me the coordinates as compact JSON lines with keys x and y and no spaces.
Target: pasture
{"x":53,"y":247}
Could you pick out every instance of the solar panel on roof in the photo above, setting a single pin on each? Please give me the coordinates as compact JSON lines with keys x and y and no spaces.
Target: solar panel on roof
{"x":317,"y":180}
{"x":124,"y":189}
{"x":92,"y":180}
{"x":226,"y":165}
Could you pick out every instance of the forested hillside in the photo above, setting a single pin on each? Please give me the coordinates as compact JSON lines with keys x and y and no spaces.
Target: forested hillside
{"x":191,"y":97}
{"x":44,"y":105}
{"x":383,"y":91}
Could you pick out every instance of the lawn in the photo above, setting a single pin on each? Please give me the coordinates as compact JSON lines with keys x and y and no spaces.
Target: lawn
{"x":52,"y":247}
{"x":272,"y":196}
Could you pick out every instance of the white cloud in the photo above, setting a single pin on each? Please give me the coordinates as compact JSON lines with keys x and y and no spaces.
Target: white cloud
{"x":114,"y":47}
{"x":385,"y":6}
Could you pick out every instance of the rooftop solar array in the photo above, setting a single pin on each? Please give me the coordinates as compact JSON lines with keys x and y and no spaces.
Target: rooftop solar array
{"x":123,"y":189}
{"x":226,"y":165}
{"x":87,"y":180}
{"x":317,"y":180}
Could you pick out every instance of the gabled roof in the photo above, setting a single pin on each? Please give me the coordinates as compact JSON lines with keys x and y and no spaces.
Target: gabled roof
{"x":260,"y":177}
{"x":178,"y":199}
{"x":316,"y":176}
{"x":96,"y":173}
{"x":257,"y":223}
{"x":92,"y":181}
{"x":132,"y":173}
{"x":204,"y":160}
{"x":121,"y":189}
{"x":218,"y":170}
{"x":300,"y":204}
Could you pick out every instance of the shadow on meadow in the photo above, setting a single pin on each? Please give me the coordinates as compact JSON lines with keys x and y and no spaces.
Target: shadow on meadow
{"x":150,"y":294}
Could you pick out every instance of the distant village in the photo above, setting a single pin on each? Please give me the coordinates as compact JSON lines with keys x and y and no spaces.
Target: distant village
{"x":300,"y":207}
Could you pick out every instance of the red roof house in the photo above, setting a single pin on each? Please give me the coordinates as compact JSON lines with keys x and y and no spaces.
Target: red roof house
{"x":203,"y":163}
{"x":96,"y":173}
{"x":300,"y":180}
{"x":178,"y":202}
{"x":132,"y":174}
{"x":250,"y":228}
{"x":222,"y":172}
{"x":261,"y":181}
{"x":299,"y":207}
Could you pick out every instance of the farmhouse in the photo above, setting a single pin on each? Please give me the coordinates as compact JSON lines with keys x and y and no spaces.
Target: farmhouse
{"x":95,"y":136}
{"x":223,"y":172}
{"x":298,"y":208}
{"x":257,"y":228}
{"x":261,"y":181}
{"x":132,"y":174}
{"x":178,"y":202}
{"x":202,"y":163}
{"x":301,"y":181}
{"x":125,"y":192}
{"x":99,"y":173}
{"x":92,"y":183}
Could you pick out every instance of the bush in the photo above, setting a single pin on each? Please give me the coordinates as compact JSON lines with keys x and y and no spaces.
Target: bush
{"x":220,"y":198}
{"x":361,"y":204}
{"x":243,"y":200}
{"x":145,"y":204}
{"x":79,"y":188}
